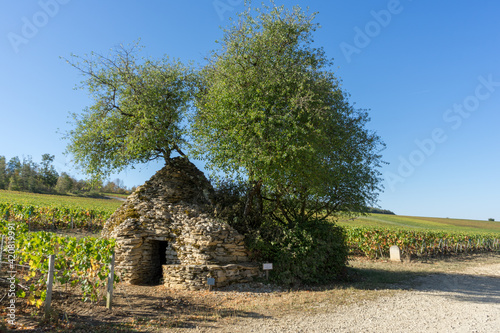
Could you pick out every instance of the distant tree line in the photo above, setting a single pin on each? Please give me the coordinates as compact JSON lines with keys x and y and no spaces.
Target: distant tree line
{"x":28,"y":176}
{"x":380,"y":211}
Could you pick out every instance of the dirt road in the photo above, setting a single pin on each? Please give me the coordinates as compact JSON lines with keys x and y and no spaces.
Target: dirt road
{"x":467,"y":301}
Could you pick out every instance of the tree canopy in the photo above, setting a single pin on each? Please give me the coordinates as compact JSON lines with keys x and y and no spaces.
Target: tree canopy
{"x":137,"y":111}
{"x":27,"y":175}
{"x":272,"y":112}
{"x":267,"y":113}
{"x":266,"y":109}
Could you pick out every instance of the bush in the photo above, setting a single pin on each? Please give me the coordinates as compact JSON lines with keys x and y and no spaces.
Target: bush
{"x":311,"y":252}
{"x":230,"y":200}
{"x":307,"y":252}
{"x":491,"y":219}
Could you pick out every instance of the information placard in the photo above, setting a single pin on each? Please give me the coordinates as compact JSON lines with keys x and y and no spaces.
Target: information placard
{"x":267,"y":266}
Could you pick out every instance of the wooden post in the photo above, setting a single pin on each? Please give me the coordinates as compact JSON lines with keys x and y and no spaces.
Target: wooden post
{"x":111,"y":278}
{"x":1,"y":252}
{"x":71,"y":222}
{"x":50,"y":280}
{"x":267,"y":267}
{"x":211,"y":283}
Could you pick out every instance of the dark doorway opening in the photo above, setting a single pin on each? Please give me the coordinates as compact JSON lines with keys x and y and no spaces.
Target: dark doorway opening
{"x":159,"y":259}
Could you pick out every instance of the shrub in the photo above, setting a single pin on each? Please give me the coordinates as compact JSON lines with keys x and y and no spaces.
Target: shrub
{"x":491,"y":219}
{"x":310,"y":252}
{"x":305,"y":252}
{"x":230,"y":200}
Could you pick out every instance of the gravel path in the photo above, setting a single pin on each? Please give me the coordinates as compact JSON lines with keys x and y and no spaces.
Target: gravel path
{"x":458,"y":302}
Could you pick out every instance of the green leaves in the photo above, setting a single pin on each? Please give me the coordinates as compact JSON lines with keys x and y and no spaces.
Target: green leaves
{"x":272,"y":111}
{"x":311,"y":252}
{"x":61,"y":215}
{"x":137,"y":114}
{"x":267,"y":110}
{"x":82,"y":262}
{"x":375,"y":242}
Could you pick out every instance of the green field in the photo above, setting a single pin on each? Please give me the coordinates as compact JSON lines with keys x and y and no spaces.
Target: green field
{"x":372,"y":220}
{"x":68,"y":201}
{"x":423,"y":223}
{"x":116,"y":195}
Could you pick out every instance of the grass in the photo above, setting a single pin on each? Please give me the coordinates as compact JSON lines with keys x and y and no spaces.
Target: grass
{"x":117,"y":195}
{"x":427,"y":223}
{"x":36,"y":199}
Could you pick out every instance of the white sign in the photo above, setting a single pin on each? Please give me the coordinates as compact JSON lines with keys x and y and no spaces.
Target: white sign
{"x":267,"y":267}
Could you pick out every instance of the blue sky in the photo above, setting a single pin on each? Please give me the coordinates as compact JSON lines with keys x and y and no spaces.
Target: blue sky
{"x":428,"y":71}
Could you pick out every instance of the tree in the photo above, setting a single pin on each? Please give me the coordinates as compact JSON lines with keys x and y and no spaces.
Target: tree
{"x":115,"y":186}
{"x":4,"y":180}
{"x":14,"y":165}
{"x":271,"y":112}
{"x":28,"y":176}
{"x":48,"y":173}
{"x":64,"y":183}
{"x":137,"y":113}
{"x":13,"y":172}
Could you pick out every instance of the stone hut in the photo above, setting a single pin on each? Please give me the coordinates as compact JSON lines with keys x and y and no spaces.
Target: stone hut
{"x":165,"y":232}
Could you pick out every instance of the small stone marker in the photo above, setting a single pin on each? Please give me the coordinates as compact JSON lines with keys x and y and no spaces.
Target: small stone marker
{"x":211,"y":283}
{"x":395,"y":253}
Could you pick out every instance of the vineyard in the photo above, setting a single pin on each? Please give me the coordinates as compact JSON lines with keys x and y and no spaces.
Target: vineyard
{"x":46,"y":200}
{"x":27,"y":223}
{"x":370,"y":235}
{"x":449,"y":225}
{"x":373,"y":235}
{"x":54,"y":217}
{"x":375,"y":242}
{"x":49,"y":212}
{"x":78,"y":262}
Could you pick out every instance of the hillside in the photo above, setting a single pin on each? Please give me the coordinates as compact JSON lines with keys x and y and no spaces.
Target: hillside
{"x":371,"y":220}
{"x":36,"y":199}
{"x":428,"y":223}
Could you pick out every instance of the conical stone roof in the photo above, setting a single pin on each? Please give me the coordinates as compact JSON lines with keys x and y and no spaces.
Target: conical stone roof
{"x":166,"y":228}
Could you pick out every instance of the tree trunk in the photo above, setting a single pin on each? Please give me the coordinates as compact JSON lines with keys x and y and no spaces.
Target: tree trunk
{"x":254,"y":193}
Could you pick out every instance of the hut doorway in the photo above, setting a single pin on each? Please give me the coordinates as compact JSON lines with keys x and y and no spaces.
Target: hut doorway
{"x":159,"y":258}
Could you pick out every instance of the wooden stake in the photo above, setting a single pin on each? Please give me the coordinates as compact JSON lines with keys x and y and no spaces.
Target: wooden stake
{"x":50,"y":281}
{"x":1,"y":251}
{"x":111,"y":277}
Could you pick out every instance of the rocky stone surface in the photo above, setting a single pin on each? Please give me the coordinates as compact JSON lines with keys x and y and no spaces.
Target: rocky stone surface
{"x":165,"y":230}
{"x":194,"y":277}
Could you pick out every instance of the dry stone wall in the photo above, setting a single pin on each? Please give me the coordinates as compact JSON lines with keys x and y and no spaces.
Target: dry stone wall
{"x":195,"y":277}
{"x":165,"y":230}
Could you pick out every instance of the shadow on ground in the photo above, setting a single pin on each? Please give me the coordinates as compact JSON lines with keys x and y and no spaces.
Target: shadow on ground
{"x":475,"y":284}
